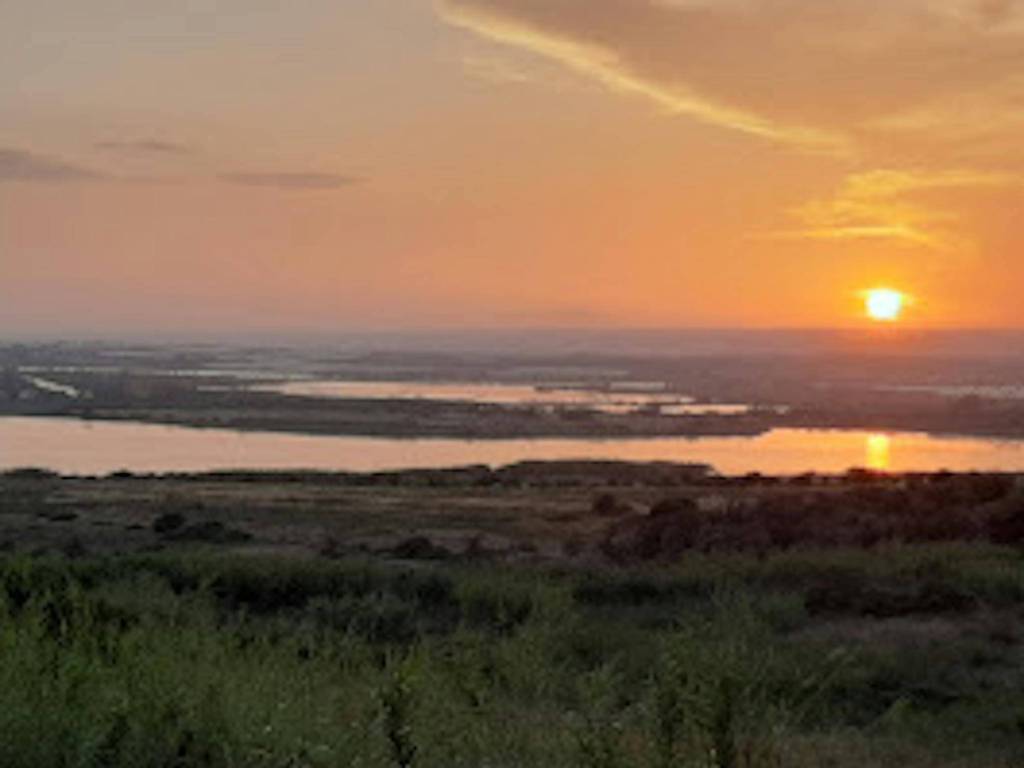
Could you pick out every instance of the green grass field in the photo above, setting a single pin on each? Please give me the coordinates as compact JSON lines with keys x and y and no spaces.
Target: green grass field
{"x":904,"y":655}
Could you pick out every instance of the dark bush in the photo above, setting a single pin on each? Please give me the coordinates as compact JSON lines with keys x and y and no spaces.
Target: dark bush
{"x":29,"y":473}
{"x":672,"y":527}
{"x":932,"y":509}
{"x":166,"y":523}
{"x":1007,"y":525}
{"x":60,"y":516}
{"x":674,"y":507}
{"x":212,"y":532}
{"x":420,"y":548}
{"x":608,"y":505}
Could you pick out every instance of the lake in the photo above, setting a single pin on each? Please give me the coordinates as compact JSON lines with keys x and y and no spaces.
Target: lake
{"x":619,"y":397}
{"x":80,"y":447}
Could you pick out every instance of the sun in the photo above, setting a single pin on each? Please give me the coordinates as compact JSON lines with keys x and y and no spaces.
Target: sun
{"x":884,"y":305}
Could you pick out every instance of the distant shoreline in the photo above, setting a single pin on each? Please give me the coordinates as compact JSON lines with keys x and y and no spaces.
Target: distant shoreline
{"x":422,"y":420}
{"x":628,"y":427}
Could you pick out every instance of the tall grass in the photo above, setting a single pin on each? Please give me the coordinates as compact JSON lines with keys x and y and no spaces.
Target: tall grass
{"x":193,"y":662}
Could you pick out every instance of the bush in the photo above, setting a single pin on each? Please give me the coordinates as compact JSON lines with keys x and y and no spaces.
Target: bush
{"x":608,"y":505}
{"x":420,"y":548}
{"x":211,"y":532}
{"x":168,"y":522}
{"x":1007,"y":525}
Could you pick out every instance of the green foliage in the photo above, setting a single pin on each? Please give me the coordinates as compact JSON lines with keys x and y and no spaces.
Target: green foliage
{"x":396,"y":702}
{"x":599,"y":734}
{"x":195,"y":662}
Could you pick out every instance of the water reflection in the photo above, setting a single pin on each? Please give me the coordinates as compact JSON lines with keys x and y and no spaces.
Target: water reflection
{"x":73,"y":446}
{"x":879,"y":451}
{"x":620,"y":398}
{"x":487,"y":393}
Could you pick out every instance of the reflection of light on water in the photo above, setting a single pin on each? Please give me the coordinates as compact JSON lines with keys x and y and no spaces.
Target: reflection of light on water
{"x":878,"y":448}
{"x":97,"y":447}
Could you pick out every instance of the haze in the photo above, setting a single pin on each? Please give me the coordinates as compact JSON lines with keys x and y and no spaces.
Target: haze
{"x":397,"y":164}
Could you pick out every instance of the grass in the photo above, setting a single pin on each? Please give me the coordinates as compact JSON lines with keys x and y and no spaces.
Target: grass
{"x":184,"y":660}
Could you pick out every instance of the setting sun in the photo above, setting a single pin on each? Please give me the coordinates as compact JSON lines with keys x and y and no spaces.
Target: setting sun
{"x":884,"y":304}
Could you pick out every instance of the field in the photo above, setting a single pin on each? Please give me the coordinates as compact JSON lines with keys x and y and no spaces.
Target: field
{"x":541,"y":615}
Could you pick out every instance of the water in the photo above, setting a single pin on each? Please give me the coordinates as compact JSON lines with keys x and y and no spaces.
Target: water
{"x":622,"y":397}
{"x":54,"y":387}
{"x":985,"y":392}
{"x":79,"y":447}
{"x":489,"y":393}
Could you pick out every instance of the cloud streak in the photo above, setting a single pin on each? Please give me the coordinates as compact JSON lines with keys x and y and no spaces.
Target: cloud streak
{"x":21,"y":165}
{"x":882,"y":205}
{"x":146,"y":146}
{"x":593,"y":53}
{"x":296,"y":181}
{"x":864,"y":75}
{"x":881,"y":84}
{"x":493,"y":70}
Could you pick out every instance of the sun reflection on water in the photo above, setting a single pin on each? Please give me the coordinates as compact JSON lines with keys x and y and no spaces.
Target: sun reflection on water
{"x":878,"y":448}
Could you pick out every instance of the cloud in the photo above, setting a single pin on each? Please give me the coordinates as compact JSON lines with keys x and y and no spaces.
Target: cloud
{"x":912,"y":87}
{"x":493,"y":70}
{"x":838,"y":75}
{"x":146,"y":146}
{"x":21,"y":165}
{"x":889,"y":183}
{"x":17,"y":165}
{"x":882,"y":205}
{"x":563,"y":32}
{"x":291,"y":180}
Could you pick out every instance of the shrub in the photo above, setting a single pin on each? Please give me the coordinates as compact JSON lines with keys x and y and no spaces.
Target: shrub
{"x":420,"y":548}
{"x":608,"y":505}
{"x":1007,"y":525}
{"x":168,"y":522}
{"x":212,"y":532}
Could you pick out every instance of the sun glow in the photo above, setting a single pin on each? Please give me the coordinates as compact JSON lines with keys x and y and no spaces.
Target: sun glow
{"x":884,"y":305}
{"x":878,"y":450}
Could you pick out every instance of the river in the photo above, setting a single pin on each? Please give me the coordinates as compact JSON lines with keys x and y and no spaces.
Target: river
{"x":73,"y":446}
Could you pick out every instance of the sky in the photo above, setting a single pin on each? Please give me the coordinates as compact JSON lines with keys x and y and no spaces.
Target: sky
{"x":338,"y":165}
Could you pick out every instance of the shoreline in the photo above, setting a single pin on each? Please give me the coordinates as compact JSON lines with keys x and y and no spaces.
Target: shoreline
{"x":408,"y":432}
{"x":1011,"y":433}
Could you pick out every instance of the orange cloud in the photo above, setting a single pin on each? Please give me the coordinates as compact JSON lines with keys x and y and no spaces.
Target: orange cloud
{"x":864,"y":75}
{"x":881,"y":83}
{"x":606,"y":64}
{"x":879,"y":205}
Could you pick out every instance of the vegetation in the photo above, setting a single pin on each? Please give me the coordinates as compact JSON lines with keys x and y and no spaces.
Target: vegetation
{"x":909,"y":655}
{"x":866,"y":511}
{"x":575,"y":614}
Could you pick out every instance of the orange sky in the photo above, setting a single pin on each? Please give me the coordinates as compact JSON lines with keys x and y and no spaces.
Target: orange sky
{"x":245,"y":164}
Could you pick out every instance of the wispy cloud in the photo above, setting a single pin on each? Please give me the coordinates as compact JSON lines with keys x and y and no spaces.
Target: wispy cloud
{"x":890,"y":183}
{"x":146,"y":146}
{"x":855,"y":76}
{"x":290,"y":180}
{"x":19,"y":165}
{"x":22,"y":165}
{"x":562,"y":34}
{"x":899,"y":232}
{"x":881,"y":205}
{"x":493,"y":69}
{"x":884,"y":84}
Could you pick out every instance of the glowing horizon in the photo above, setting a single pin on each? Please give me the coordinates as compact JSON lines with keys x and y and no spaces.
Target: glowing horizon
{"x":505,"y":164}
